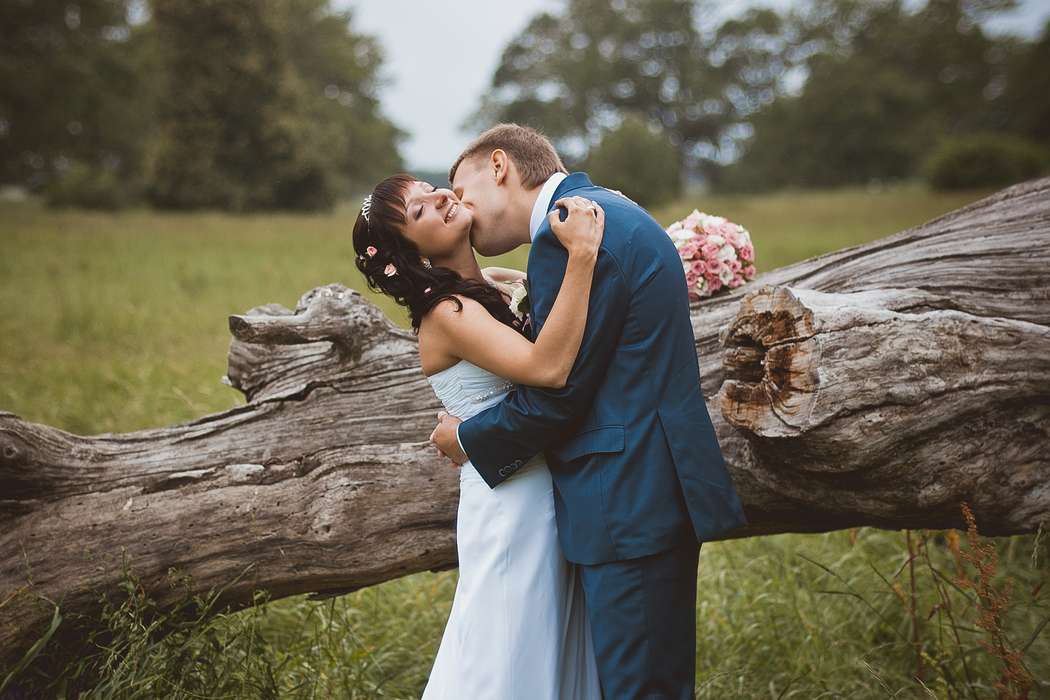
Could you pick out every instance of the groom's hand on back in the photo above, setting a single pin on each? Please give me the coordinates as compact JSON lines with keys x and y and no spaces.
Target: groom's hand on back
{"x":444,"y":438}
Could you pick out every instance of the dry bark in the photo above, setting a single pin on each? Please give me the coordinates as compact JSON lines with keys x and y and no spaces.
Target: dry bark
{"x":877,"y":385}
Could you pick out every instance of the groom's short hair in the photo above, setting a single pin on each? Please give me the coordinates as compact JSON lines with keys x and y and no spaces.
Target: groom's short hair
{"x":533,"y":154}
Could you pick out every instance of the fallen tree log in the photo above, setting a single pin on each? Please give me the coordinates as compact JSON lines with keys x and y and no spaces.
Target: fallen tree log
{"x":878,"y":385}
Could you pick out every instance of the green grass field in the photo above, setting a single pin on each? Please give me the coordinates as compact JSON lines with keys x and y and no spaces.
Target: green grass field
{"x":116,"y":322}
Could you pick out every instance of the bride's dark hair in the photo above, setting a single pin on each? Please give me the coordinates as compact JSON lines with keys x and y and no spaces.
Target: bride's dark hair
{"x":413,"y":285}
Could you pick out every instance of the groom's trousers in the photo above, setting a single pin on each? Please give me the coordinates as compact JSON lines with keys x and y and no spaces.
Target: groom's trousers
{"x":643,"y":624}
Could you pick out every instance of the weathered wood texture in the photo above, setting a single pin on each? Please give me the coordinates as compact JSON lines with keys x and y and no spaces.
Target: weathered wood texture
{"x":877,"y":385}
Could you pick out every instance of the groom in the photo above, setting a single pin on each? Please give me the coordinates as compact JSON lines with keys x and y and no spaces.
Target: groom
{"x":639,"y":479}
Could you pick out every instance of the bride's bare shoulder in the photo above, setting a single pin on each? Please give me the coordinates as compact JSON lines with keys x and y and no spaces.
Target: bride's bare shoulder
{"x":439,"y":329}
{"x":448,"y":310}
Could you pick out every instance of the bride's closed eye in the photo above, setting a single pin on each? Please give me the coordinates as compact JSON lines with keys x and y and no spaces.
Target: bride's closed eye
{"x":419,"y":210}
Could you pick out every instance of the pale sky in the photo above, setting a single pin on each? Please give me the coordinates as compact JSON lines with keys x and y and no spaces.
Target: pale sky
{"x":440,"y":57}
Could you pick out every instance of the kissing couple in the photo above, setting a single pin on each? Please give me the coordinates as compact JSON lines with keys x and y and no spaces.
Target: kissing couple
{"x":589,"y":473}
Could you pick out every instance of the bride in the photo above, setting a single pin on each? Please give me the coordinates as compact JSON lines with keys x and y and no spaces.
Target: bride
{"x":518,"y":627}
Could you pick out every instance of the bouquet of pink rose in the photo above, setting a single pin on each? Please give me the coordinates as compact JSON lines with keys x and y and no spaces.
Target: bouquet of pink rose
{"x":715,"y":253}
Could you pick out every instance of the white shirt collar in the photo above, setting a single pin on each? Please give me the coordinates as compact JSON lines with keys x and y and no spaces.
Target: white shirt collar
{"x":543,"y":203}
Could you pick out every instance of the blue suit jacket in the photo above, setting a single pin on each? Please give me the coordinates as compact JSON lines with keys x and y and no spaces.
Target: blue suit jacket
{"x":633,"y":455}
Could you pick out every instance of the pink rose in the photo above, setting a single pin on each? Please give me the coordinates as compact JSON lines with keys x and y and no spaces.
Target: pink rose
{"x":699,"y":267}
{"x":710,"y":250}
{"x":390,"y":270}
{"x":747,"y":251}
{"x":688,"y":249}
{"x":371,"y":251}
{"x":727,"y":230}
{"x":734,"y":265}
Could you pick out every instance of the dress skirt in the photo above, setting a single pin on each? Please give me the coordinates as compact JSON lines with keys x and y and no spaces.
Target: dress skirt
{"x":518,"y":628}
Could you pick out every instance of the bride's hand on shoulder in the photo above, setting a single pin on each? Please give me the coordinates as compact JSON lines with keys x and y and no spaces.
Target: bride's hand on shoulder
{"x":581,"y":232}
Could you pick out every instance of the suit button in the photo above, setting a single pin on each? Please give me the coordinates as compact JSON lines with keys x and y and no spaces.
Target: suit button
{"x":503,"y":471}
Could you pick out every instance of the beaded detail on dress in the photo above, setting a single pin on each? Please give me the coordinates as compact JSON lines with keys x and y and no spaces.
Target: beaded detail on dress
{"x":466,"y":389}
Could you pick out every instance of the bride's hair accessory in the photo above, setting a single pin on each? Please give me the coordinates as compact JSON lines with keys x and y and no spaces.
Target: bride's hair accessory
{"x":426,"y":263}
{"x":371,"y":251}
{"x":366,"y":208}
{"x":390,"y":270}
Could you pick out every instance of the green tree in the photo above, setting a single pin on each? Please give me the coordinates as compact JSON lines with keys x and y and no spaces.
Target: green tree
{"x":266,"y":105}
{"x":639,"y":161}
{"x":1026,"y":99}
{"x":983,"y":160}
{"x":576,"y":73}
{"x":73,"y":91}
{"x":884,"y":84}
{"x":853,"y":123}
{"x":337,"y":72}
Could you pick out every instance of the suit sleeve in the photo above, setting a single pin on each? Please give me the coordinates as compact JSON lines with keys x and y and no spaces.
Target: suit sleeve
{"x":500,"y":439}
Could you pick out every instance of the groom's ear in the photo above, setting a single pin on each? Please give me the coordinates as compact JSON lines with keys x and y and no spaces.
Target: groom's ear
{"x":499,"y":165}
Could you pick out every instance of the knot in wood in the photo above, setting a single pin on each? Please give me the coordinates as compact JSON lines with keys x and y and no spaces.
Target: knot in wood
{"x":12,"y":450}
{"x":769,"y":363}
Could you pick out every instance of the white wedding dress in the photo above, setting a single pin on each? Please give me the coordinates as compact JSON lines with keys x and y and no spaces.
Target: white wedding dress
{"x":518,"y":629}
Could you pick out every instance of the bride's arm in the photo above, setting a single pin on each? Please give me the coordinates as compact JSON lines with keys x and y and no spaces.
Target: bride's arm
{"x":503,"y":274}
{"x":474,"y":335}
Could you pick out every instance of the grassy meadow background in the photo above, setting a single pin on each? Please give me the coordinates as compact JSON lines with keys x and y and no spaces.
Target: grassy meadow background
{"x":117,"y":322}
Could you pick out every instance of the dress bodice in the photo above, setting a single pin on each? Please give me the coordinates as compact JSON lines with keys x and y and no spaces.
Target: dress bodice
{"x":466,"y":389}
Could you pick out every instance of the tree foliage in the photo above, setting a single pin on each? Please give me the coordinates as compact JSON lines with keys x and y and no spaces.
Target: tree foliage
{"x":1026,"y":97}
{"x":231,"y":104}
{"x":639,"y":161}
{"x":72,"y":87}
{"x":574,"y":74}
{"x":983,"y":160}
{"x":885,"y":85}
{"x":245,"y":105}
{"x":265,"y":105}
{"x":830,"y":92}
